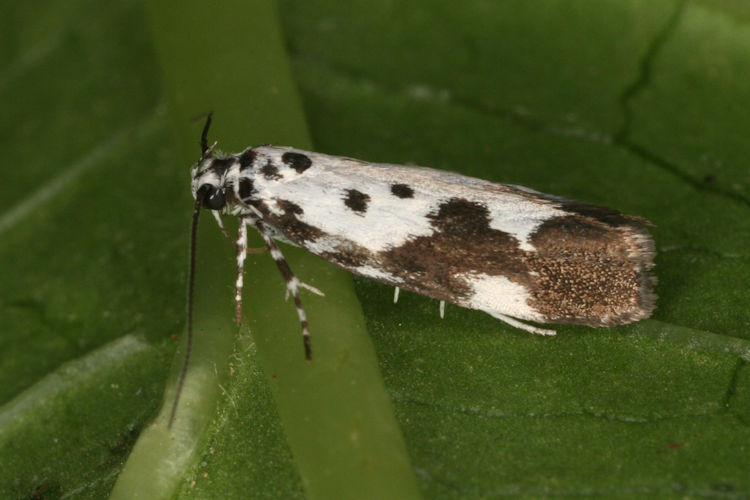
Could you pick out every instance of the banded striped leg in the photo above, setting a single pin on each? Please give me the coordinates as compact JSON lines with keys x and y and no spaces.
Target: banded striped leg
{"x":241,"y":244}
{"x":220,"y":222}
{"x":292,"y":284}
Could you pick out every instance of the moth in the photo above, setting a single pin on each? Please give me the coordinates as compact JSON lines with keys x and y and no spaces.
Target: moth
{"x":507,"y":250}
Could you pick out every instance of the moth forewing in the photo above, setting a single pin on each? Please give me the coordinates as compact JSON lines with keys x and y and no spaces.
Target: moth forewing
{"x":510,"y":251}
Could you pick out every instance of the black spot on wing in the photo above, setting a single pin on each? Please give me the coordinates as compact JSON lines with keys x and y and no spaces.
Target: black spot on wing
{"x":356,"y":200}
{"x":297,"y":161}
{"x":270,"y":171}
{"x":247,"y":158}
{"x":462,"y":217}
{"x":402,"y":191}
{"x":246,"y":189}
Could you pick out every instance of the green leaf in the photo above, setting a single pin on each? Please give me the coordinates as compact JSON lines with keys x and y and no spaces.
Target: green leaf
{"x":254,"y":415}
{"x":635,"y":105}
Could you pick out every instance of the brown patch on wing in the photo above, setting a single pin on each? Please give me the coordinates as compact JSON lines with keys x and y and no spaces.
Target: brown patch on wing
{"x":290,"y":224}
{"x":585,"y":272}
{"x":463,"y":243}
{"x":590,"y":268}
{"x":350,"y":255}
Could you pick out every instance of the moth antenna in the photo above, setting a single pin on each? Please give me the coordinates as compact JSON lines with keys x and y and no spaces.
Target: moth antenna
{"x":191,"y":286}
{"x":205,"y":151}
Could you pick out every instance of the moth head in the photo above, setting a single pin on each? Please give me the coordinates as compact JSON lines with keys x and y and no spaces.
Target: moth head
{"x":212,"y":197}
{"x":208,"y":185}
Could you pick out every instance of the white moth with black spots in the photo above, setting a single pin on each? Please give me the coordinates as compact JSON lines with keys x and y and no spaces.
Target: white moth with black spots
{"x":512,"y":252}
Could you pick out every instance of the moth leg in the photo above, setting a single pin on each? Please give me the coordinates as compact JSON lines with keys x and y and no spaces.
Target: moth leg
{"x":241,"y":245}
{"x":304,"y":285}
{"x":292,"y":284}
{"x":395,"y":295}
{"x":518,"y":324}
{"x":442,"y":309}
{"x":311,"y":288}
{"x":220,"y":222}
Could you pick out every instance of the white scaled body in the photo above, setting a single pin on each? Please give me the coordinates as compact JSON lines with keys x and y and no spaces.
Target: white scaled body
{"x":506,"y":250}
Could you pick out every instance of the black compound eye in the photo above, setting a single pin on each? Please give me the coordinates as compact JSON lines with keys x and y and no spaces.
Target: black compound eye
{"x":212,"y":196}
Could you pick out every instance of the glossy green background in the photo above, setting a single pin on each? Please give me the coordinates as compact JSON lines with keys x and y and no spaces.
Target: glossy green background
{"x":634,"y":105}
